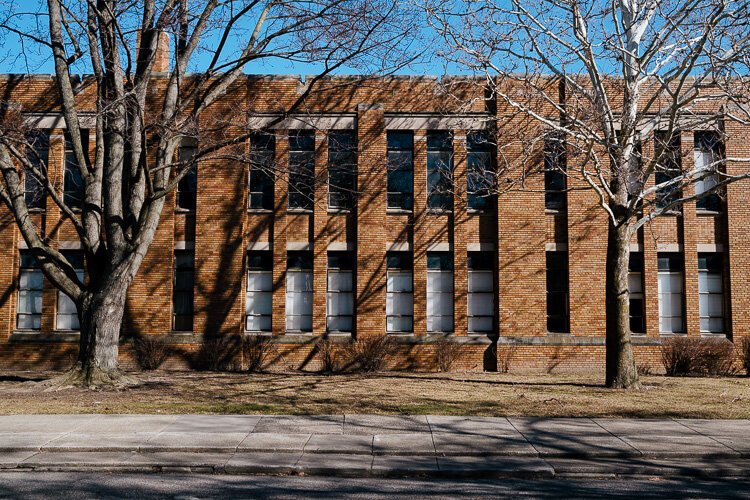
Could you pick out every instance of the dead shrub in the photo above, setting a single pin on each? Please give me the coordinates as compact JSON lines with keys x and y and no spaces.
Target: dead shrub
{"x":505,"y":357}
{"x":644,"y":369}
{"x":370,"y":354}
{"x":743,"y":346}
{"x":150,"y":352}
{"x":216,"y":354}
{"x":446,"y":354}
{"x":255,"y":351}
{"x":329,"y":356}
{"x":697,"y":356}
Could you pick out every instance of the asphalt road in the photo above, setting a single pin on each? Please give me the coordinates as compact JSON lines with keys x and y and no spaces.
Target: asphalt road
{"x":198,"y":486}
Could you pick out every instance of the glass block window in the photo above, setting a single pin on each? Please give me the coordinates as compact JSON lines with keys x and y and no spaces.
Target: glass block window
{"x":481,"y":293}
{"x":299,"y":291}
{"x":259,"y":292}
{"x":340,"y":298}
{"x":440,"y":291}
{"x":711,"y":292}
{"x":671,"y":293}
{"x":399,"y":298}
{"x":29,"y":314}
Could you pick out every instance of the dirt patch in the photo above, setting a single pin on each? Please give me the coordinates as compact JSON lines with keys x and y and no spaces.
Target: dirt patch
{"x":490,"y":394}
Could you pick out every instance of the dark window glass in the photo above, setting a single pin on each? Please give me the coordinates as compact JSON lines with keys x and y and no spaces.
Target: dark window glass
{"x":35,"y":178}
{"x":182,"y":298}
{"x":262,"y":157}
{"x":670,"y":262}
{"x":440,"y":170}
{"x":481,"y":292}
{"x":480,"y":172}
{"x":399,"y":260}
{"x":342,"y":168}
{"x":555,"y":180}
{"x":708,"y":155}
{"x":557,"y":292}
{"x":400,"y":182}
{"x":187,"y":188}
{"x":301,"y":169}
{"x":668,"y":167}
{"x":299,"y":260}
{"x":440,"y":261}
{"x":635,"y":289}
{"x":73,"y":185}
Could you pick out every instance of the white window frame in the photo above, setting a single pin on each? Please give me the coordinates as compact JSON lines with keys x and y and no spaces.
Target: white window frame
{"x":396,"y":296}
{"x":668,"y":275}
{"x":305,"y":294}
{"x":475,"y":292}
{"x":258,"y":294}
{"x":27,"y":275}
{"x":703,"y":276}
{"x":443,"y":276}
{"x":66,"y":303}
{"x":339,"y":294}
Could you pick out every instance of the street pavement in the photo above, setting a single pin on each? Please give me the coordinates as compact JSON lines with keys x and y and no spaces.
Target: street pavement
{"x":371,"y":446}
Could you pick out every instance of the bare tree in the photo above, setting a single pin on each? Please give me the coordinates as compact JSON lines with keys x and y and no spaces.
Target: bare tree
{"x":141,"y":114}
{"x":613,"y":84}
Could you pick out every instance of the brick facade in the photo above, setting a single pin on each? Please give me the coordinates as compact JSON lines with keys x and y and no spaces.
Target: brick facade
{"x":516,"y":228}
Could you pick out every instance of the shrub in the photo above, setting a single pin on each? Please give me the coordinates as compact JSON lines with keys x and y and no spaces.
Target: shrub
{"x":370,"y":354}
{"x":505,"y":357}
{"x":150,"y":352}
{"x":697,"y":356}
{"x":644,"y":369}
{"x":329,"y":356}
{"x":446,"y":354}
{"x":216,"y":354}
{"x":744,"y":349}
{"x":255,"y":351}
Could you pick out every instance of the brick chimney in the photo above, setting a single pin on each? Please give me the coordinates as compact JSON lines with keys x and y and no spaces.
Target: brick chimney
{"x":161,"y":62}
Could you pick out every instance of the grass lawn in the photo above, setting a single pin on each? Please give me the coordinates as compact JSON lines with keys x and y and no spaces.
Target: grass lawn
{"x":490,"y":394}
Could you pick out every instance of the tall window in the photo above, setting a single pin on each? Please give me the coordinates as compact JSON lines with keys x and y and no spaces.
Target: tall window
{"x":400,"y":182}
{"x":399,"y":298}
{"x":301,"y":169}
{"x":29,"y":316}
{"x":259,"y":297}
{"x":711,"y":292}
{"x":481,"y":297}
{"x":635,"y":287}
{"x":342,"y":168}
{"x":67,"y":315}
{"x":182,"y":296}
{"x":555,"y":180}
{"x":440,"y":170}
{"x":557,"y":292}
{"x":480,"y":174}
{"x":440,"y":291}
{"x":299,"y":291}
{"x":260,"y":179}
{"x":671,"y":293}
{"x":187,"y":188}
{"x":73,"y":185}
{"x":340,"y":299}
{"x":35,"y":180}
{"x":708,"y":154}
{"x":668,"y":168}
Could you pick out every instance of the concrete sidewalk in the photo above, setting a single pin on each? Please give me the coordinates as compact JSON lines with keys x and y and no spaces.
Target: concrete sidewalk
{"x":370,"y":445}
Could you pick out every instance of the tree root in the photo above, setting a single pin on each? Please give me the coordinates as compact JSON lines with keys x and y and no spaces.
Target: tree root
{"x":92,"y":378}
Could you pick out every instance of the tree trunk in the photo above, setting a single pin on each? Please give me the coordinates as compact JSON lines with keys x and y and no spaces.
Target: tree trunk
{"x":621,"y":370}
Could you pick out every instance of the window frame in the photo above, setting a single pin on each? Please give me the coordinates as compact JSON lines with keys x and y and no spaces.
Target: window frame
{"x":73,"y":257}
{"x":399,"y":264}
{"x":564,"y":269}
{"x":345,"y":265}
{"x":299,"y":262}
{"x":439,"y":177}
{"x":186,"y":193}
{"x":635,"y":275}
{"x":480,"y":263}
{"x":675,"y":267}
{"x":190,"y":293}
{"x":38,"y":157}
{"x":262,"y":158}
{"x":713,"y":202}
{"x":347,"y":171}
{"x":479,"y":144}
{"x":301,"y":166}
{"x":672,"y":151}
{"x":440,"y":264}
{"x":265,"y":268}
{"x":38,"y":293}
{"x":397,"y":150}
{"x":555,"y":177}
{"x":74,"y":198}
{"x":708,"y":271}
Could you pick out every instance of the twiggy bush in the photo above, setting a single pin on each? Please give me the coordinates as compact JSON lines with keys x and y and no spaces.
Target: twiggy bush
{"x":446,"y":354}
{"x":328,"y":354}
{"x":255,"y":352}
{"x":697,"y":356}
{"x":370,"y":354}
{"x":743,"y":346}
{"x":505,"y":357}
{"x":216,"y":354}
{"x":150,"y":352}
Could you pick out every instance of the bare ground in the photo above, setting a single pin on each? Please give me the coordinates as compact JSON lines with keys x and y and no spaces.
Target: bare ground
{"x":490,"y":394}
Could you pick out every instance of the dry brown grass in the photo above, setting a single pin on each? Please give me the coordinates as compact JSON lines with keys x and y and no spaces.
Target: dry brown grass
{"x":385,"y":393}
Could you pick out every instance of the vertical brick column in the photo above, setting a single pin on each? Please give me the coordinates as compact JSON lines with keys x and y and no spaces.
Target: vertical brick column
{"x":650,"y":262}
{"x":738,"y":216}
{"x":420,"y":240}
{"x":320,"y":238}
{"x":278,"y":243}
{"x":689,"y":242}
{"x":460,"y":234}
{"x":371,"y":229}
{"x":8,"y":272}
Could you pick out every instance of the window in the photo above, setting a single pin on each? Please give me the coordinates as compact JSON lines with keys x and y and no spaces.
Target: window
{"x":259,"y":298}
{"x":711,"y":292}
{"x":555,"y":180}
{"x":260,"y":178}
{"x":708,"y":154}
{"x":29,"y":315}
{"x":67,"y":315}
{"x":299,"y":291}
{"x":340,"y":300}
{"x":481,"y":297}
{"x":557,"y":292}
{"x":439,"y":170}
{"x":439,"y":291}
{"x":671,"y":295}
{"x":668,"y":168}
{"x":480,"y":174}
{"x":73,"y":185}
{"x":342,"y":167}
{"x":188,"y":186}
{"x":400,"y":182}
{"x":399,"y":298}
{"x":301,"y":169}
{"x":182,"y":298}
{"x":35,"y":182}
{"x":635,"y":289}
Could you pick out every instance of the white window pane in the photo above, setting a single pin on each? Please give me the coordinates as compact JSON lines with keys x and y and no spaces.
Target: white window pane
{"x":665,"y":324}
{"x":259,"y":281}
{"x":340,"y":281}
{"x":480,"y":281}
{"x":258,"y":323}
{"x":677,"y":325}
{"x":676,"y":305}
{"x":635,"y":284}
{"x":65,"y":304}
{"x":259,"y":303}
{"x":481,"y":304}
{"x":29,"y":321}
{"x":30,"y":302}
{"x":702,"y":282}
{"x":703,"y":304}
{"x":340,"y":304}
{"x":299,"y":281}
{"x":715,"y":305}
{"x":441,"y":324}
{"x":445,"y":303}
{"x":30,"y":280}
{"x":399,"y":324}
{"x":400,"y":304}
{"x":399,"y":282}
{"x":431,"y":323}
{"x":714,"y":283}
{"x":716,"y":325}
{"x":480,"y":324}
{"x":305,"y":323}
{"x":675,"y":283}
{"x":340,"y":323}
{"x":705,"y":325}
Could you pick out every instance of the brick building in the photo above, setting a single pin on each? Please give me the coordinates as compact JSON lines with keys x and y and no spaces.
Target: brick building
{"x":285,"y":248}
